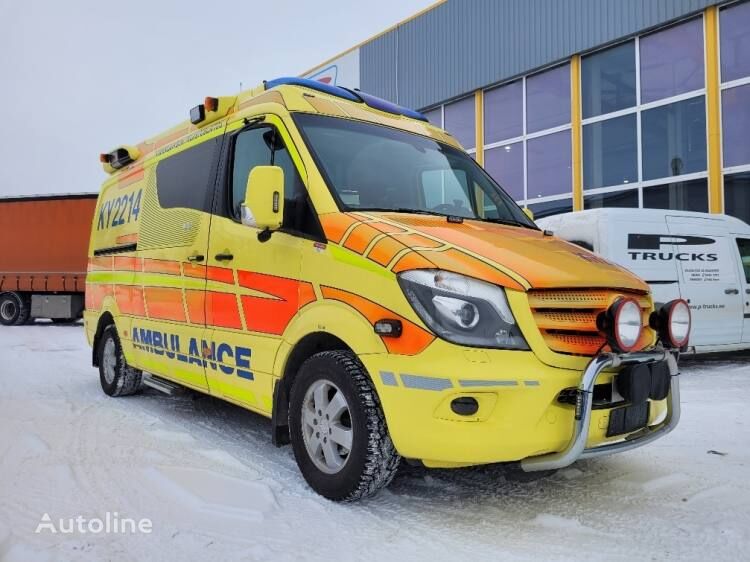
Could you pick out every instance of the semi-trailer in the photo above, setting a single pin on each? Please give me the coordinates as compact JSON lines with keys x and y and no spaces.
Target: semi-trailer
{"x":43,"y":257}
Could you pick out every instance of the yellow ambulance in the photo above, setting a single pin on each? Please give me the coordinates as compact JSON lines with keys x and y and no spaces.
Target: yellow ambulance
{"x":332,"y":261}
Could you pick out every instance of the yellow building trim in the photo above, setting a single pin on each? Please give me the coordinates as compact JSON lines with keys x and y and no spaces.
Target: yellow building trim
{"x":576,"y":131}
{"x":713,"y":110}
{"x":479,"y":125}
{"x":372,"y":38}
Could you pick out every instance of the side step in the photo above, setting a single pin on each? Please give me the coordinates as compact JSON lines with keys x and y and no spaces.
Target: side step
{"x":162,"y":385}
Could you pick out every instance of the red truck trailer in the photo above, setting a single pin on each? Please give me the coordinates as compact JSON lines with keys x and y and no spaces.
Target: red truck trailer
{"x":43,"y":251}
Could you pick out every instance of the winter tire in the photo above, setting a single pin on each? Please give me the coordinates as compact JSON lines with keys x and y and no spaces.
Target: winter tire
{"x":14,"y":309}
{"x":116,"y":377}
{"x":338,"y":430}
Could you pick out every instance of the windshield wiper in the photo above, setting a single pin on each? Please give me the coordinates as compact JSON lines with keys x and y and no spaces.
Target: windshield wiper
{"x":400,"y":210}
{"x":510,"y":223}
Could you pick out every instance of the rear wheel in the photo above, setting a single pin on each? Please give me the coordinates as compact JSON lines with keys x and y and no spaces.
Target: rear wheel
{"x":338,"y":430}
{"x":116,"y":377}
{"x":14,"y":309}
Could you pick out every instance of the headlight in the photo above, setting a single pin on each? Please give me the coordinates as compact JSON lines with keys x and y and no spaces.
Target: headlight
{"x":622,"y":324}
{"x":462,"y":310}
{"x":673,"y":322}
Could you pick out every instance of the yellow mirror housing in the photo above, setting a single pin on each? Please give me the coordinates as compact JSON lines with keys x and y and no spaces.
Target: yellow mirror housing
{"x":264,"y":198}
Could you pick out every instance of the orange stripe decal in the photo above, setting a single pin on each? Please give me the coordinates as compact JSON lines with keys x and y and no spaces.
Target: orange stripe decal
{"x":212,"y":273}
{"x":222,"y":310}
{"x":135,"y":176}
{"x":458,"y":261}
{"x":417,"y":241}
{"x":127,"y":239}
{"x":196,"y":306}
{"x":161,"y":266}
{"x":165,"y":304}
{"x":272,"y":315}
{"x":95,"y":295}
{"x":126,"y":263}
{"x":360,"y":238}
{"x":385,"y":250}
{"x":101,"y":263}
{"x":412,"y":260}
{"x":335,"y":225}
{"x":130,"y":300}
{"x":413,"y":340}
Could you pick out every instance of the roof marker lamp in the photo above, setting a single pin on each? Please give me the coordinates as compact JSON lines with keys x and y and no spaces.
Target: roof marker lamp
{"x":673,"y":322}
{"x":621,"y":324}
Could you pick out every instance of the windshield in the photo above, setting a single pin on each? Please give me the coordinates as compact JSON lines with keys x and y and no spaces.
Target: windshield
{"x":376,"y":168}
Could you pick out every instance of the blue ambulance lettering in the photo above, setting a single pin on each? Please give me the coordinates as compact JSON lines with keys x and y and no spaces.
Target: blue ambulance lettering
{"x":230,"y":360}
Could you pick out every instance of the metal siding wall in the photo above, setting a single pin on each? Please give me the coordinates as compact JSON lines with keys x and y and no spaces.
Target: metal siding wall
{"x":463,"y":45}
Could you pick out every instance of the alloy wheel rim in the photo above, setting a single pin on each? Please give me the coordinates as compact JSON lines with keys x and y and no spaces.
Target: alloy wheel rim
{"x":327,"y":426}
{"x":109,"y":361}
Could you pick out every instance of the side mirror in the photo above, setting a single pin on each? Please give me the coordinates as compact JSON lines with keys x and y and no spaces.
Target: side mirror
{"x":264,"y":198}
{"x":529,"y":213}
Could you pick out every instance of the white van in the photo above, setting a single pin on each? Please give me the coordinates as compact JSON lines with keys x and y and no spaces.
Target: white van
{"x":702,"y":258}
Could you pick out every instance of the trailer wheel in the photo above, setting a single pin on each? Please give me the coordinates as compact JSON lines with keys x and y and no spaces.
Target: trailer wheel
{"x":338,"y":429}
{"x":14,"y":309}
{"x":116,"y":376}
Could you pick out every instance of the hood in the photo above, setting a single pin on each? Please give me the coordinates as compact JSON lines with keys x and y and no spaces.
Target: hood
{"x":543,"y":261}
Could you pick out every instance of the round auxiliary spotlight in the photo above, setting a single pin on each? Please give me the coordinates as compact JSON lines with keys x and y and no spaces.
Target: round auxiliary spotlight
{"x":673,"y":322}
{"x":622,"y":324}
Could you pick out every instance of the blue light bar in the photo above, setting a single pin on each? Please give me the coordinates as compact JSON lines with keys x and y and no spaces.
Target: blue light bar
{"x":357,"y":96}
{"x":313,"y":85}
{"x":384,"y":105}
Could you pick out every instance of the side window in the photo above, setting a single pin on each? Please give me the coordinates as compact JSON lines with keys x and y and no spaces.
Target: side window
{"x":187,"y":179}
{"x":744,"y":245}
{"x":263,"y":146}
{"x":446,"y":191}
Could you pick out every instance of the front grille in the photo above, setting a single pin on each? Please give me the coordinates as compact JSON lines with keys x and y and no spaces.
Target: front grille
{"x":567,"y":318}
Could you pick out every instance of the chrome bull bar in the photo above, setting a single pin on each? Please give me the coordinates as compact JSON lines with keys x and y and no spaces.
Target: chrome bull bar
{"x":576,"y":448}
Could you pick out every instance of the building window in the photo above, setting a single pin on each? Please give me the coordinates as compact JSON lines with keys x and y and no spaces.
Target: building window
{"x":672,"y":61}
{"x":679,"y":196}
{"x":548,"y":99}
{"x":549,"y":208}
{"x":734,"y":23}
{"x":505,"y":165}
{"x":503,"y":112}
{"x":737,"y":195}
{"x":608,"y":80}
{"x":674,"y":139}
{"x":549,"y":167}
{"x":644,"y":121}
{"x":527,"y":136}
{"x":628,"y":198}
{"x":735,"y":124}
{"x":458,"y":120}
{"x":435,"y":116}
{"x":610,"y":152}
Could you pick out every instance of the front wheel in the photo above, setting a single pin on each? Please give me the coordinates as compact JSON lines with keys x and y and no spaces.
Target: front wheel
{"x":115,"y":376}
{"x":338,"y":430}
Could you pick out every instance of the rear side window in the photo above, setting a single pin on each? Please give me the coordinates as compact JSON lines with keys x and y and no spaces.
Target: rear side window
{"x":186,"y":179}
{"x":263,"y":146}
{"x":744,"y":245}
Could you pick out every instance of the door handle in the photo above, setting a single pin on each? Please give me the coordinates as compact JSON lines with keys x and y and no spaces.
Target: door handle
{"x":747,"y":291}
{"x":731,"y":291}
{"x":224,"y":257}
{"x":196,"y":257}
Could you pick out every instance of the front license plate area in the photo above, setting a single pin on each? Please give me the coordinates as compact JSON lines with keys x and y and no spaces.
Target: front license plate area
{"x":627,"y":419}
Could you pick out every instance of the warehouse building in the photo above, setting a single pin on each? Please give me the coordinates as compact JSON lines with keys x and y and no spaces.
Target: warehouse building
{"x":574,"y":104}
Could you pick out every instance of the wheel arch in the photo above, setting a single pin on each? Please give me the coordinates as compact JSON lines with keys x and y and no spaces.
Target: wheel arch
{"x":305,"y":348}
{"x":105,"y":319}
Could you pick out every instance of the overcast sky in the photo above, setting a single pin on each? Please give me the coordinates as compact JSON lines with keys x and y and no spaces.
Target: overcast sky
{"x":78,"y":78}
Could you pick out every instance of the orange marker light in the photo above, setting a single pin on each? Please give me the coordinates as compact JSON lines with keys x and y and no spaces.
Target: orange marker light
{"x":105,"y":158}
{"x":211,"y":104}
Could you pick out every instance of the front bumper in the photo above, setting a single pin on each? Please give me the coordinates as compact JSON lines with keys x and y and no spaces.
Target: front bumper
{"x":576,"y":448}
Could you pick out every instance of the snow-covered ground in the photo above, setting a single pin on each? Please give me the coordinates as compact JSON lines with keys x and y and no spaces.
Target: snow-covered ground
{"x":207,"y":477}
